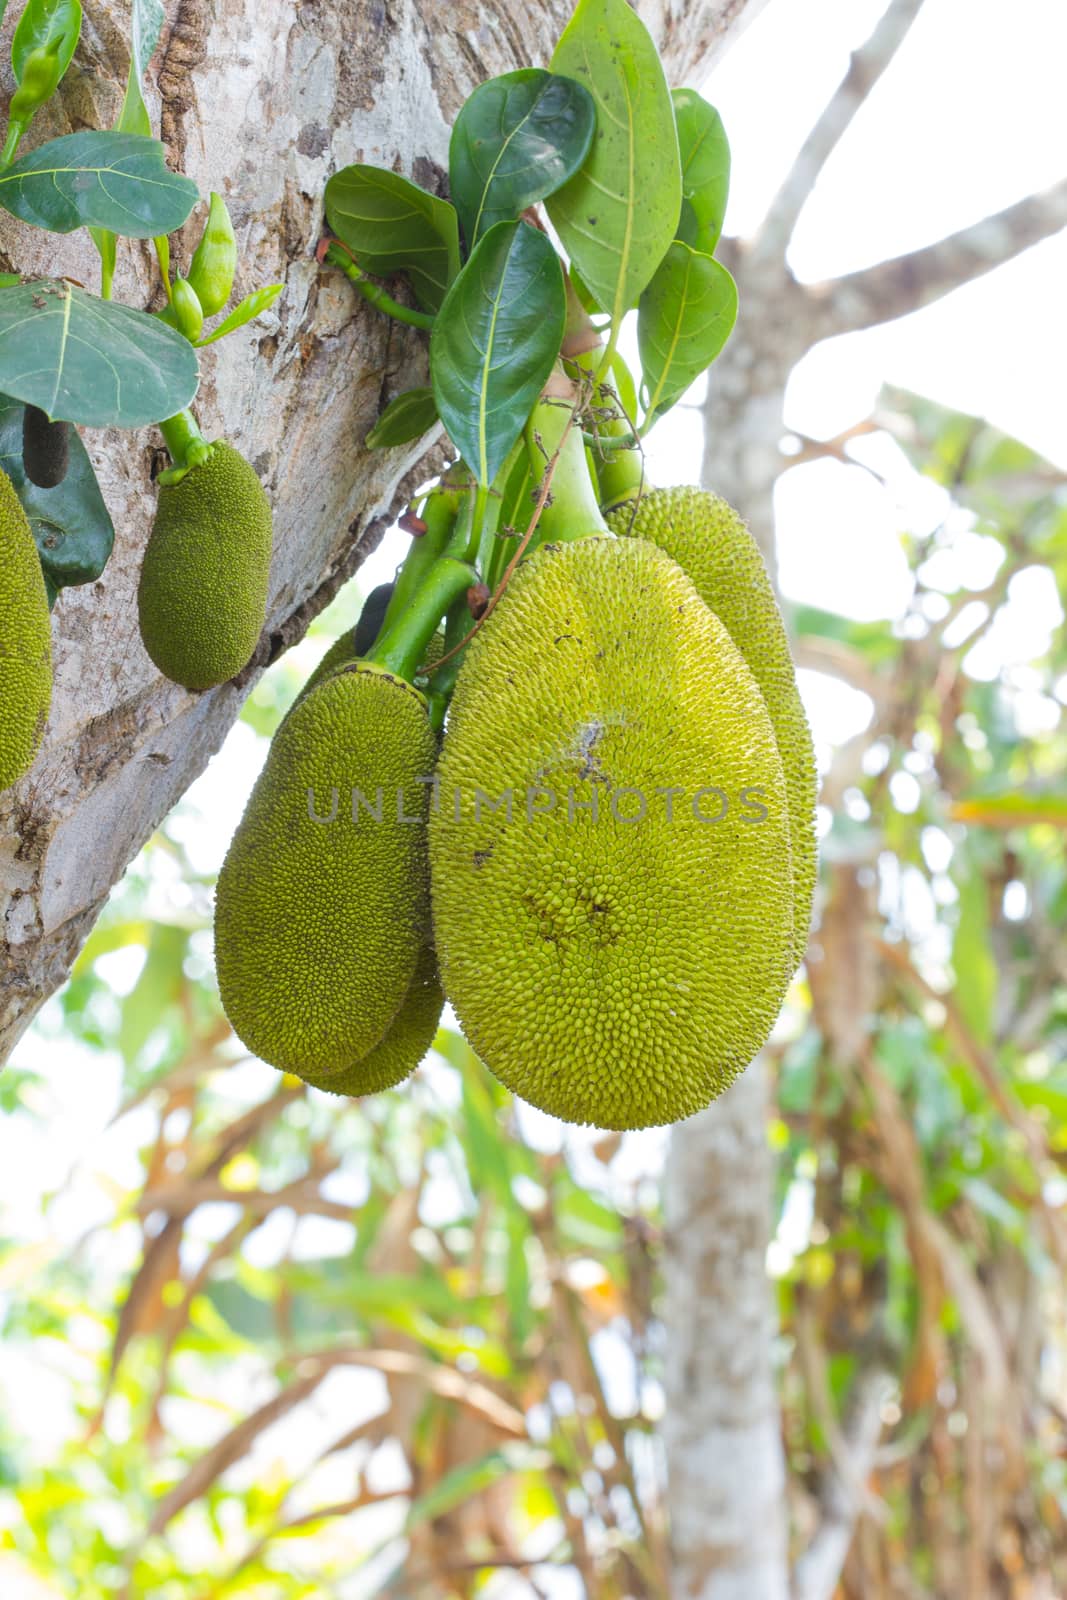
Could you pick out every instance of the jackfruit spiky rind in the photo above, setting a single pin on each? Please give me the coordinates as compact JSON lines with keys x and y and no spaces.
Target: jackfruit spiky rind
{"x":406,"y":1040}
{"x":319,"y":924}
{"x":203,"y":592}
{"x":25,"y":641}
{"x":711,"y":543}
{"x":615,"y":973}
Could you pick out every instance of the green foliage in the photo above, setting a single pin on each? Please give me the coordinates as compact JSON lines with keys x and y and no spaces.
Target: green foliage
{"x":618,"y":215}
{"x":407,"y":417}
{"x":686,"y":315}
{"x":495,"y":342}
{"x":517,"y":139}
{"x":107,"y":180}
{"x":705,"y":156}
{"x":391,"y":225}
{"x":86,"y":360}
{"x":71,"y":523}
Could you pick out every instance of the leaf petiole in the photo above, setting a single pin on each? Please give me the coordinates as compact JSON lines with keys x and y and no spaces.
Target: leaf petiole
{"x":337,"y":256}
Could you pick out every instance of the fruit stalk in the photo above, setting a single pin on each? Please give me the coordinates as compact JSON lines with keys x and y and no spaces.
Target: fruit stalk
{"x":185,"y":444}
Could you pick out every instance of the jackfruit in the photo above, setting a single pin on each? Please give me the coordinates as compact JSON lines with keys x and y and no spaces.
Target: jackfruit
{"x":405,"y":1043}
{"x":25,"y":641}
{"x":617,"y":941}
{"x":203,"y":591}
{"x":711,"y":543}
{"x":322,"y":906}
{"x":45,"y":448}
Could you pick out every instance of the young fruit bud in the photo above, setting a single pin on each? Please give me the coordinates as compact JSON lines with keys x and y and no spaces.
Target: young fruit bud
{"x":188,"y":312}
{"x":40,"y":78}
{"x":25,"y":641}
{"x":45,"y":448}
{"x":214,"y":262}
{"x":203,"y":593}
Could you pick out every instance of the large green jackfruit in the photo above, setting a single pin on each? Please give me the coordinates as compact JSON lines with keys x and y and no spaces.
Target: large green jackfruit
{"x":711,"y":543}
{"x":25,"y":641}
{"x":322,"y":904}
{"x":203,"y":591}
{"x":616,"y":954}
{"x":406,"y":1040}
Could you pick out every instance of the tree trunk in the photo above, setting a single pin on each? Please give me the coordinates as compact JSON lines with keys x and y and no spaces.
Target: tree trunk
{"x":721,"y":1427}
{"x":261,"y":103}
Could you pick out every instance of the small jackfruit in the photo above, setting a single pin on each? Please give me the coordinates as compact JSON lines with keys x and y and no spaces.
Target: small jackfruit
{"x":711,"y":543}
{"x":406,"y":1040}
{"x":45,"y":448}
{"x":322,"y":907}
{"x":203,"y":592}
{"x":609,"y":843}
{"x":25,"y":641}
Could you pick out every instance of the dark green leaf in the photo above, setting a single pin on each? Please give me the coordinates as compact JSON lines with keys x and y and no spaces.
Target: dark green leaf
{"x":705,"y":153}
{"x":686,"y":315}
{"x":618,"y":215}
{"x":495,"y":341}
{"x":70,"y":523}
{"x":405,"y":418}
{"x":518,"y":138}
{"x":109,"y":180}
{"x":42,"y":22}
{"x":391,"y":225}
{"x":90,"y":361}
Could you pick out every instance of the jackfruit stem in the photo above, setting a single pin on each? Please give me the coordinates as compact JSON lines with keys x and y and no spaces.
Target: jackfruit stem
{"x":571,"y":510}
{"x":337,"y":255}
{"x":185,"y":444}
{"x":401,"y":647}
{"x":443,"y":681}
{"x":620,"y":471}
{"x":439,"y":514}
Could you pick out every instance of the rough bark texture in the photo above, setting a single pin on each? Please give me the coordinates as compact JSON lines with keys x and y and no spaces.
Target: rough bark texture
{"x":721,"y":1427}
{"x":261,"y":103}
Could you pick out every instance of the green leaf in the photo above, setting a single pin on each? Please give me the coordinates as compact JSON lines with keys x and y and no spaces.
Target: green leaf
{"x":518,"y":138}
{"x":972,"y":960}
{"x":705,"y":152}
{"x":70,"y":523}
{"x":617,"y":217}
{"x":405,"y":418}
{"x":146,"y":25}
{"x":90,"y":361}
{"x":495,"y":341}
{"x":685,"y":317}
{"x":253,"y":305}
{"x":391,"y":225}
{"x":109,"y":180}
{"x":40,"y":23}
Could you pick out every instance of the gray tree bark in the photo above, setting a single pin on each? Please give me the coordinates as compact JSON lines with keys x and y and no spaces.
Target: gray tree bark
{"x":261,"y":103}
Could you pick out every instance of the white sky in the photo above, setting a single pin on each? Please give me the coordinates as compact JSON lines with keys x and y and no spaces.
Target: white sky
{"x":970,"y":117}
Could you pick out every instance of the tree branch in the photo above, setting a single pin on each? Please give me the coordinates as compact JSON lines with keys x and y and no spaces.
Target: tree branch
{"x":819,"y":1568}
{"x":865,"y":67}
{"x":907,"y":283}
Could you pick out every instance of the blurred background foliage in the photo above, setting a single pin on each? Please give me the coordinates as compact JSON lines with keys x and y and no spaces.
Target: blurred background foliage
{"x":262,"y":1342}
